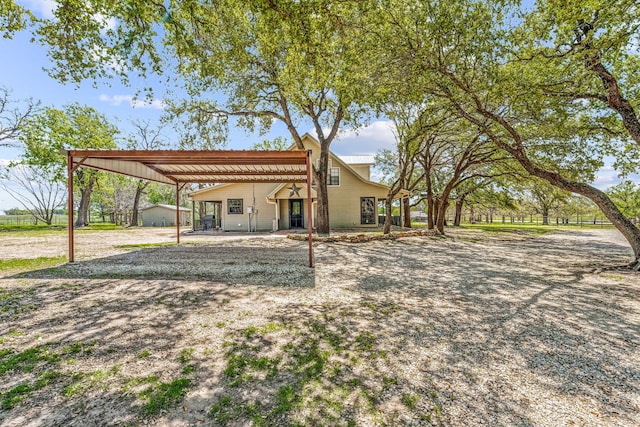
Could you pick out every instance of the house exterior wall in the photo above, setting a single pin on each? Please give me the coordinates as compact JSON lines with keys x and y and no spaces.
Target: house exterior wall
{"x":344,"y":199}
{"x":362,"y":170}
{"x":154,"y":216}
{"x":283,"y":206}
{"x":266,"y":212}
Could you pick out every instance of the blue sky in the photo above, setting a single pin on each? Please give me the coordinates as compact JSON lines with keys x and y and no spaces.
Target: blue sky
{"x":23,"y":73}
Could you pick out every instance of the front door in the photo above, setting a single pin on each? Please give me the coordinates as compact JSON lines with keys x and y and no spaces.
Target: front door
{"x":296,"y":219}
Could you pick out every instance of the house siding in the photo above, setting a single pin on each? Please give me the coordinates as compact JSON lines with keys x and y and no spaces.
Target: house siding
{"x":344,"y":199}
{"x":362,"y":170}
{"x":240,"y":222}
{"x":154,"y":216}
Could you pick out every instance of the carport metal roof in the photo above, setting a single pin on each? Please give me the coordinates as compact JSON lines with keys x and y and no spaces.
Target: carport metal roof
{"x":180,"y":167}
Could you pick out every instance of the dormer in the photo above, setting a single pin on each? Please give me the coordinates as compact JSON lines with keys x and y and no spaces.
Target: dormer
{"x":361,"y":164}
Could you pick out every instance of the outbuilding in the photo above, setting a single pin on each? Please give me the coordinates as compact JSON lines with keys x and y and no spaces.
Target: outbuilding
{"x":164,"y":215}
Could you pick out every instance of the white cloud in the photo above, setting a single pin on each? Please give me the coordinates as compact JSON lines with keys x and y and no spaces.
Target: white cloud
{"x":365,"y":140}
{"x":607,"y":176}
{"x":43,"y":8}
{"x":108,"y":23}
{"x":117,"y":100}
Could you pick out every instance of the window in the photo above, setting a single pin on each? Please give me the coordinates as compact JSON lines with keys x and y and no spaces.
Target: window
{"x":367,"y":210}
{"x":333,"y":176}
{"x":234,"y":206}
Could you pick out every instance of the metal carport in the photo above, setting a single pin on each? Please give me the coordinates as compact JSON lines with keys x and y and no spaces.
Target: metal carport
{"x":180,"y":167}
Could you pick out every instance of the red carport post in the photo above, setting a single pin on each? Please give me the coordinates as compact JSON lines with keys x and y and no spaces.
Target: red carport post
{"x":70,"y":204}
{"x":309,"y":209}
{"x":177,"y":213}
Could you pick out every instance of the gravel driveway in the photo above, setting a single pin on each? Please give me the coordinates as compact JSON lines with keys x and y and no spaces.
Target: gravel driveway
{"x":472,"y":329}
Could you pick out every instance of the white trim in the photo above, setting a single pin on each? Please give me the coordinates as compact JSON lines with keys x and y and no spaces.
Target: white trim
{"x":339,"y":176}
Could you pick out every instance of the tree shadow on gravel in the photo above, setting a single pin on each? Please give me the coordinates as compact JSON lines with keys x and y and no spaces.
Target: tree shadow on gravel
{"x":232,"y":265}
{"x":107,"y":351}
{"x":518,"y":336}
{"x":405,"y":333}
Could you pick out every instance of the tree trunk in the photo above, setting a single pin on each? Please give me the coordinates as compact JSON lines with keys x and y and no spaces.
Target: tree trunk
{"x":458,"y":215}
{"x":322,"y":225}
{"x":436,"y":212}
{"x":387,"y":215}
{"x":518,"y":151}
{"x":442,"y":212}
{"x":136,"y":202}
{"x":545,"y":215}
{"x":430,"y":203}
{"x":443,"y":203}
{"x":406,"y":212}
{"x":608,"y":208}
{"x":83,"y":208}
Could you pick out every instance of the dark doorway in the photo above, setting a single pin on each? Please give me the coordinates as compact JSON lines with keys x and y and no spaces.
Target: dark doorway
{"x":209,"y":215}
{"x":296,"y":218}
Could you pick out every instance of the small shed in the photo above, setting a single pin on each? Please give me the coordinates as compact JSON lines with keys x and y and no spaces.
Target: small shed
{"x":164,"y":215}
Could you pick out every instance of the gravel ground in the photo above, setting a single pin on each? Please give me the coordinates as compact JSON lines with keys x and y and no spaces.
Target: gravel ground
{"x":474,"y":329}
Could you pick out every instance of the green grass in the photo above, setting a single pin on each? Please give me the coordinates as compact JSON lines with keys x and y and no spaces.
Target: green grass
{"x":145,"y":245}
{"x":33,"y":229}
{"x":11,"y":301}
{"x":91,"y":380}
{"x":26,"y":360}
{"x":43,"y":363}
{"x":15,"y":395}
{"x":100,"y":226}
{"x":410,"y":400}
{"x":25,"y":264}
{"x":162,"y":396}
{"x":535,"y":229}
{"x":311,"y":373}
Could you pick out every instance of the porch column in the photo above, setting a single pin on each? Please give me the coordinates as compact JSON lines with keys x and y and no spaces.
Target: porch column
{"x":70,"y":205}
{"x":309,"y":209}
{"x":193,"y":215}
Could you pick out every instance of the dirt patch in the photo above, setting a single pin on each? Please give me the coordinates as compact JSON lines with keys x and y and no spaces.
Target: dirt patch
{"x":473,"y":329}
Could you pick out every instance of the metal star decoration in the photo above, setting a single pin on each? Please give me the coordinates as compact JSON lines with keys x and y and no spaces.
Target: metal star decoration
{"x":294,"y":190}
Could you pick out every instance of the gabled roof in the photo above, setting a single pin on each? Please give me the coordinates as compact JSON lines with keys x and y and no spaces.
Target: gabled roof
{"x":272,"y":195}
{"x":362,"y":159}
{"x":170,"y":207}
{"x":344,"y":165}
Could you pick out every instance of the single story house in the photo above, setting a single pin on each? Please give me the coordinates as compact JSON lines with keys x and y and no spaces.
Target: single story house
{"x":353,"y":199}
{"x":164,"y":215}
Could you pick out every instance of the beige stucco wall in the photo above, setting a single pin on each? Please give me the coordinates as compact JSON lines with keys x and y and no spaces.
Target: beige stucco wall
{"x":155,"y":214}
{"x":266,"y":212}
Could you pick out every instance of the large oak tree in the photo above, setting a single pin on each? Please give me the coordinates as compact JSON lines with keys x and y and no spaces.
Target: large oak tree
{"x":296,"y":62}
